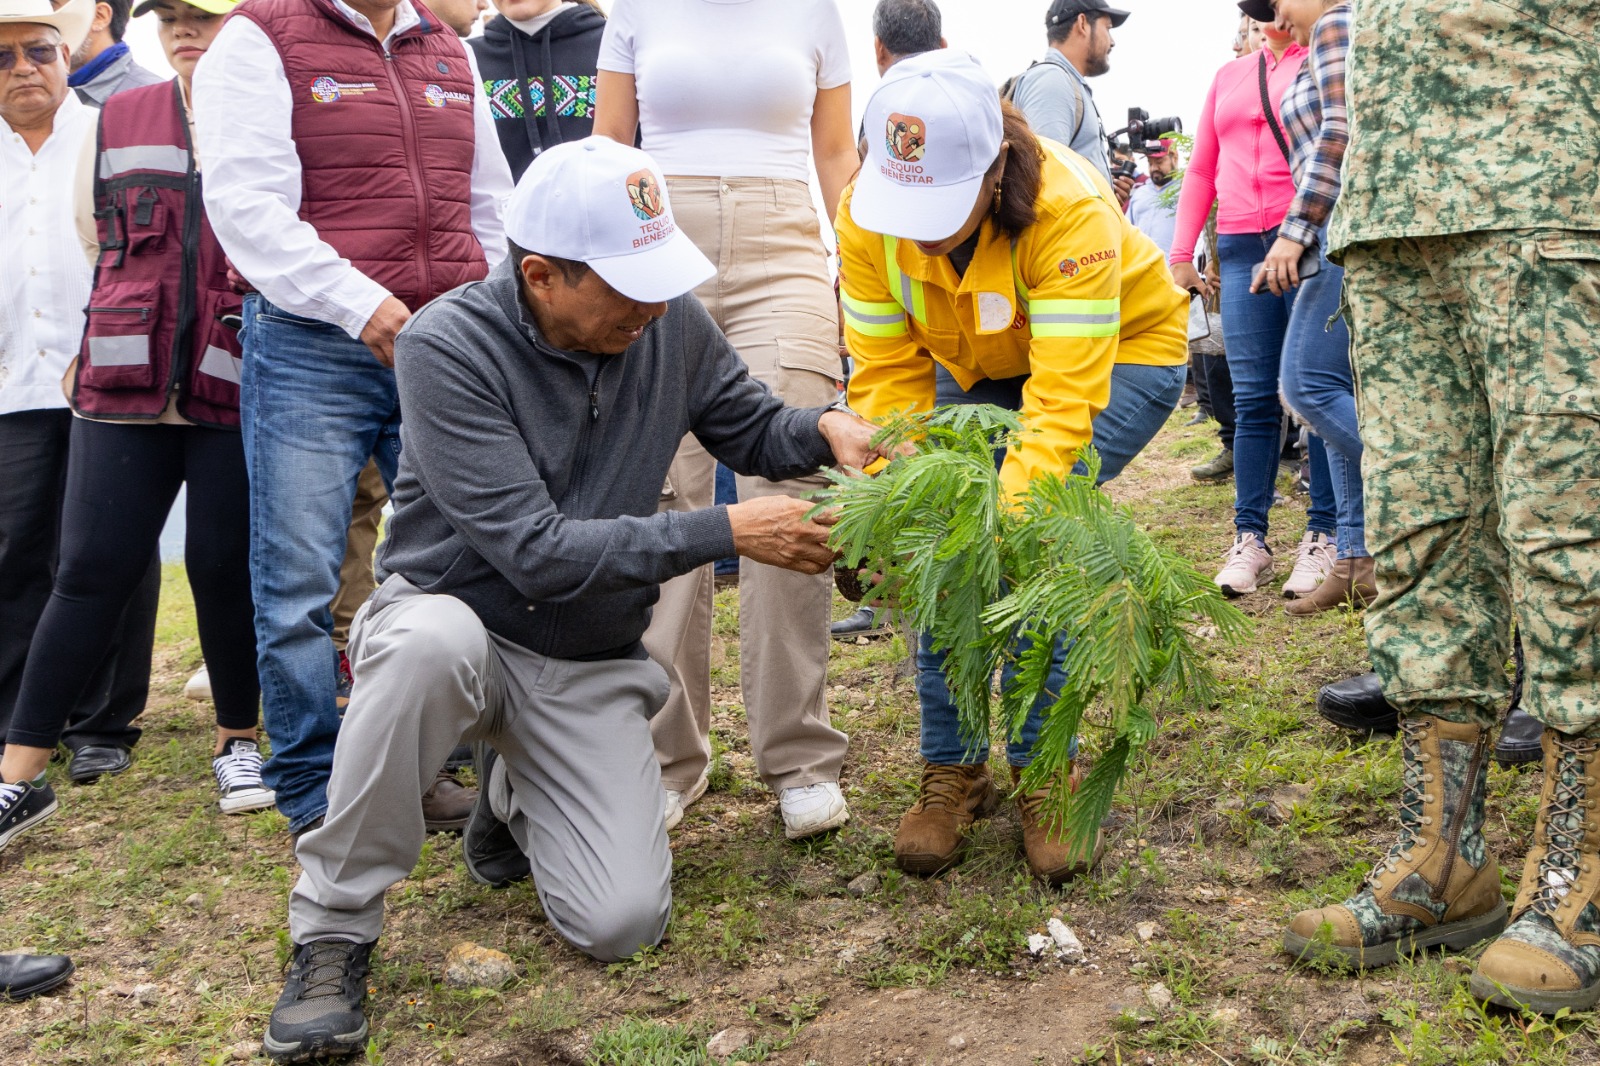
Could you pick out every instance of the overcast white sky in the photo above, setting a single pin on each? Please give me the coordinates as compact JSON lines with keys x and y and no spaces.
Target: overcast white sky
{"x":1165,"y":54}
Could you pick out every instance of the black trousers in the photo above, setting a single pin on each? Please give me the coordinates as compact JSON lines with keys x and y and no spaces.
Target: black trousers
{"x":1218,"y":383}
{"x":121,"y":481}
{"x":33,"y":470}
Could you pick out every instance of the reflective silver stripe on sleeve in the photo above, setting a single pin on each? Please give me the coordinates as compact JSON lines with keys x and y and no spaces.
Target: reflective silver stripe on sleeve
{"x":167,"y":157}
{"x":221,"y":364}
{"x":119,"y":351}
{"x":1079,"y":320}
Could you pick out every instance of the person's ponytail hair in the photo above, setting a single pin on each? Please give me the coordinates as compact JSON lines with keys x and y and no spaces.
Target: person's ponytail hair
{"x":1019,"y":186}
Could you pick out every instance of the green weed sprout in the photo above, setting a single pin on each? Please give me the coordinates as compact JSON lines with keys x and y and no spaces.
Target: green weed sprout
{"x":976,"y":572}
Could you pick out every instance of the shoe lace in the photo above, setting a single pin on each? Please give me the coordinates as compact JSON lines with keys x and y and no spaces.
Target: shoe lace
{"x":1313,"y":554}
{"x":1414,"y":798}
{"x":323,"y":968}
{"x":11,"y":794}
{"x":1558,"y":866}
{"x":239,"y":766}
{"x":1243,"y":545}
{"x":944,"y":786}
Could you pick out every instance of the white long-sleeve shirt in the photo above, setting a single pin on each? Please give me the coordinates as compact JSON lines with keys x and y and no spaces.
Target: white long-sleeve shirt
{"x":44,"y":286}
{"x":243,"y":109}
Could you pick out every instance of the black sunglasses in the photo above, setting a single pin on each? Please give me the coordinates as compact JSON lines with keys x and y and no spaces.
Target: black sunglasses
{"x":39,"y":55}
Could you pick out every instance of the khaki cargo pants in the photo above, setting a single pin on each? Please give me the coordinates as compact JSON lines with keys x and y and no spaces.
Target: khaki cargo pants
{"x":1478,"y":391}
{"x":772,"y":298}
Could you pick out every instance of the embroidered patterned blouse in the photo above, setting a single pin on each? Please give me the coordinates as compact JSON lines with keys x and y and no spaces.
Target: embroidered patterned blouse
{"x":1315,"y":119}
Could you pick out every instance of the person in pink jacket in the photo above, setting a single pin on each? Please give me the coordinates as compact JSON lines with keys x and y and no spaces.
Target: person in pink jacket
{"x":1239,"y":166}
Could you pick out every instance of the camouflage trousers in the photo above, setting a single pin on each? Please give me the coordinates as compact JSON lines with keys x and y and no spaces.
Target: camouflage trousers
{"x":1477,"y":371}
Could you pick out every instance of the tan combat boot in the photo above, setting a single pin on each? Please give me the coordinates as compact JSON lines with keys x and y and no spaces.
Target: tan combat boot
{"x":1549,"y":957}
{"x":932,"y":834}
{"x":1049,"y":857}
{"x":1438,"y":885}
{"x":1351,"y":584}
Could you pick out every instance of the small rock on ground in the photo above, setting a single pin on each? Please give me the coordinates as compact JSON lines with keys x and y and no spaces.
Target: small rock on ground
{"x":1147,"y":931}
{"x":865,"y":885}
{"x":957,"y":1042}
{"x":146,"y":995}
{"x":473,"y":966}
{"x":1159,"y":996}
{"x":1069,"y":949}
{"x":728,"y":1042}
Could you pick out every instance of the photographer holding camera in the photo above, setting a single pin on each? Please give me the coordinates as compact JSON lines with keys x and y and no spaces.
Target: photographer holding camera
{"x":1053,"y":94}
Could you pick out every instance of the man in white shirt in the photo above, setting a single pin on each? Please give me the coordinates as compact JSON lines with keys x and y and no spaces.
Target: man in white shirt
{"x":43,"y":292}
{"x":352,"y":174}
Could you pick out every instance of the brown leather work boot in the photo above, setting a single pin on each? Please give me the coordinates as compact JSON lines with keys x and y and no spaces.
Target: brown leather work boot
{"x":447,"y":805}
{"x":1439,"y":884}
{"x":1050,"y":858}
{"x":1549,"y":957}
{"x":1352,"y":584}
{"x":933,"y":833}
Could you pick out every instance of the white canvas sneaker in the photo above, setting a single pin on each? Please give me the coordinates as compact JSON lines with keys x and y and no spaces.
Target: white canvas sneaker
{"x":199,"y":686}
{"x":678,"y":802}
{"x":812,"y":809}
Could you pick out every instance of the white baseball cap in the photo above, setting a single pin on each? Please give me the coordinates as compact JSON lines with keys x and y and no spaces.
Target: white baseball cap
{"x":933,"y":130}
{"x":605,"y":204}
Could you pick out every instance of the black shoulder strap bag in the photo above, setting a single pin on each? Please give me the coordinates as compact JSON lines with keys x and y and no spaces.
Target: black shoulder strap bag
{"x":1311,"y":258}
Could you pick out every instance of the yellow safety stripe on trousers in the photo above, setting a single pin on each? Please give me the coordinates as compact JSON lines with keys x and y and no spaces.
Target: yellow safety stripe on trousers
{"x":873,"y":319}
{"x":1075,"y":318}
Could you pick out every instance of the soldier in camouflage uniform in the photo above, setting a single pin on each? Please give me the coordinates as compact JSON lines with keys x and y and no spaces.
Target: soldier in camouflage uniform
{"x":1470,"y":231}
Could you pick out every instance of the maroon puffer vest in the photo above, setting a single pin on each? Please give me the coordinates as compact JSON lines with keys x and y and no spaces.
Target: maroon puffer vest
{"x":162,"y":311}
{"x":385,"y":143}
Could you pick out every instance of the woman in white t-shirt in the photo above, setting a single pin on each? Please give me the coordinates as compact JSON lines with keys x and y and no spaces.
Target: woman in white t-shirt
{"x":736,"y":100}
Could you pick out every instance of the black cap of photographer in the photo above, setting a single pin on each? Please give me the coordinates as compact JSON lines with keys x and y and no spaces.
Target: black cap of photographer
{"x":1065,"y":12}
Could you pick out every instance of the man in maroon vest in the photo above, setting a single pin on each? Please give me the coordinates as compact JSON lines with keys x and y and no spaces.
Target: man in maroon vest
{"x":352,"y":174}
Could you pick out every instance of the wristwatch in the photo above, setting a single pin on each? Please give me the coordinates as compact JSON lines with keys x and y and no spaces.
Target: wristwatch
{"x":841,"y":405}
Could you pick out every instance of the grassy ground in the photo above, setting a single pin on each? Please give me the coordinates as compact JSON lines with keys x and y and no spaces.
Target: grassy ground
{"x":1240,"y":814}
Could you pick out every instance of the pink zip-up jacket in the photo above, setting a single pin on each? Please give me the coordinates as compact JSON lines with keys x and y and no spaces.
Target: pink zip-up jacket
{"x":1236,"y":162}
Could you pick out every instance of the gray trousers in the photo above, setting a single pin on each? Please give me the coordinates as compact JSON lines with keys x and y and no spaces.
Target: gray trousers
{"x":585,"y":800}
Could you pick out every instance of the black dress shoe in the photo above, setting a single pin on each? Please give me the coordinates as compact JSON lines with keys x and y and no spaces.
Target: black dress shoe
{"x":93,"y":761}
{"x":867,"y":622}
{"x":1519,"y":739}
{"x":22,"y":976}
{"x":1357,"y":703}
{"x":492,"y":854}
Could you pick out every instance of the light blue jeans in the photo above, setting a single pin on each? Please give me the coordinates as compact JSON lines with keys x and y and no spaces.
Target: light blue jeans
{"x":1319,"y":386}
{"x":314,"y":405}
{"x":1142,"y":399}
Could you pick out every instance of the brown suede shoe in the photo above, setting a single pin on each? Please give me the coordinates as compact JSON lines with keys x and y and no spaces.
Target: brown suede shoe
{"x":1351,"y":584}
{"x":932,"y":834}
{"x":1049,"y":857}
{"x":447,"y":805}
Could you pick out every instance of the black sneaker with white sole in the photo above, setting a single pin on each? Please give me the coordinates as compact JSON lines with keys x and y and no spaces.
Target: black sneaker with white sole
{"x":320,"y":1011}
{"x":238,"y":773}
{"x":23,"y":805}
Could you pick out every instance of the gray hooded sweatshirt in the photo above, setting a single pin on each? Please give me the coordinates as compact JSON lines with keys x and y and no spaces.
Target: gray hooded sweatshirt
{"x":529,"y":476}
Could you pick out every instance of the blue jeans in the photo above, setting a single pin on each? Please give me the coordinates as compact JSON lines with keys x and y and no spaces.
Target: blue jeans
{"x":1318,"y":384}
{"x":1253,"y":330}
{"x":315,"y":404}
{"x":1142,"y":398}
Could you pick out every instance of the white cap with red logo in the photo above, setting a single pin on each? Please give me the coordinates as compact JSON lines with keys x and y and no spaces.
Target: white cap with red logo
{"x":933,"y":130}
{"x":605,"y":204}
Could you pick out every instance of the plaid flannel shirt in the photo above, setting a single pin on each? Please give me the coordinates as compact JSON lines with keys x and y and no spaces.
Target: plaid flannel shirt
{"x":1315,"y":119}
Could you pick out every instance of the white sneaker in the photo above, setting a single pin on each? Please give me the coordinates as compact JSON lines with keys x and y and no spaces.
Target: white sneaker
{"x":1248,"y":564}
{"x":238,"y":772}
{"x":677,"y":801}
{"x":812,"y":809}
{"x":199,"y":686}
{"x":1313,"y":562}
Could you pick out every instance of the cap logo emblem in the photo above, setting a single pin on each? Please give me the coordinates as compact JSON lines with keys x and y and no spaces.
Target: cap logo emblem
{"x":905,"y":137}
{"x":650,"y":207}
{"x":644,"y":192}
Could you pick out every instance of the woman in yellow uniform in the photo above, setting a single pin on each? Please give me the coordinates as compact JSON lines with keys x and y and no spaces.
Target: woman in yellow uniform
{"x":981,"y":264}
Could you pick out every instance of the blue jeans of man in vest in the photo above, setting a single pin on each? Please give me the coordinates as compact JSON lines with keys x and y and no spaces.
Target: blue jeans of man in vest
{"x":1142,"y":398}
{"x":314,"y":405}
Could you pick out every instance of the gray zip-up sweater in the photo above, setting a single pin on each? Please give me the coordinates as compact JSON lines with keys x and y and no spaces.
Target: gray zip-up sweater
{"x":529,"y":476}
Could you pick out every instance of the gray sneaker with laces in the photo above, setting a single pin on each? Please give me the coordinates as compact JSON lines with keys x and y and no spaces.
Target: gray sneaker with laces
{"x":320,"y":1012}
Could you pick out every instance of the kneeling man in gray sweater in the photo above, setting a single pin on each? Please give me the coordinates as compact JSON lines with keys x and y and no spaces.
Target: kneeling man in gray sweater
{"x":543,"y":406}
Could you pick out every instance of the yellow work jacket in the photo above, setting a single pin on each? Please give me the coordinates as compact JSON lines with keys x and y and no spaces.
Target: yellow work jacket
{"x":1079,"y":290}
